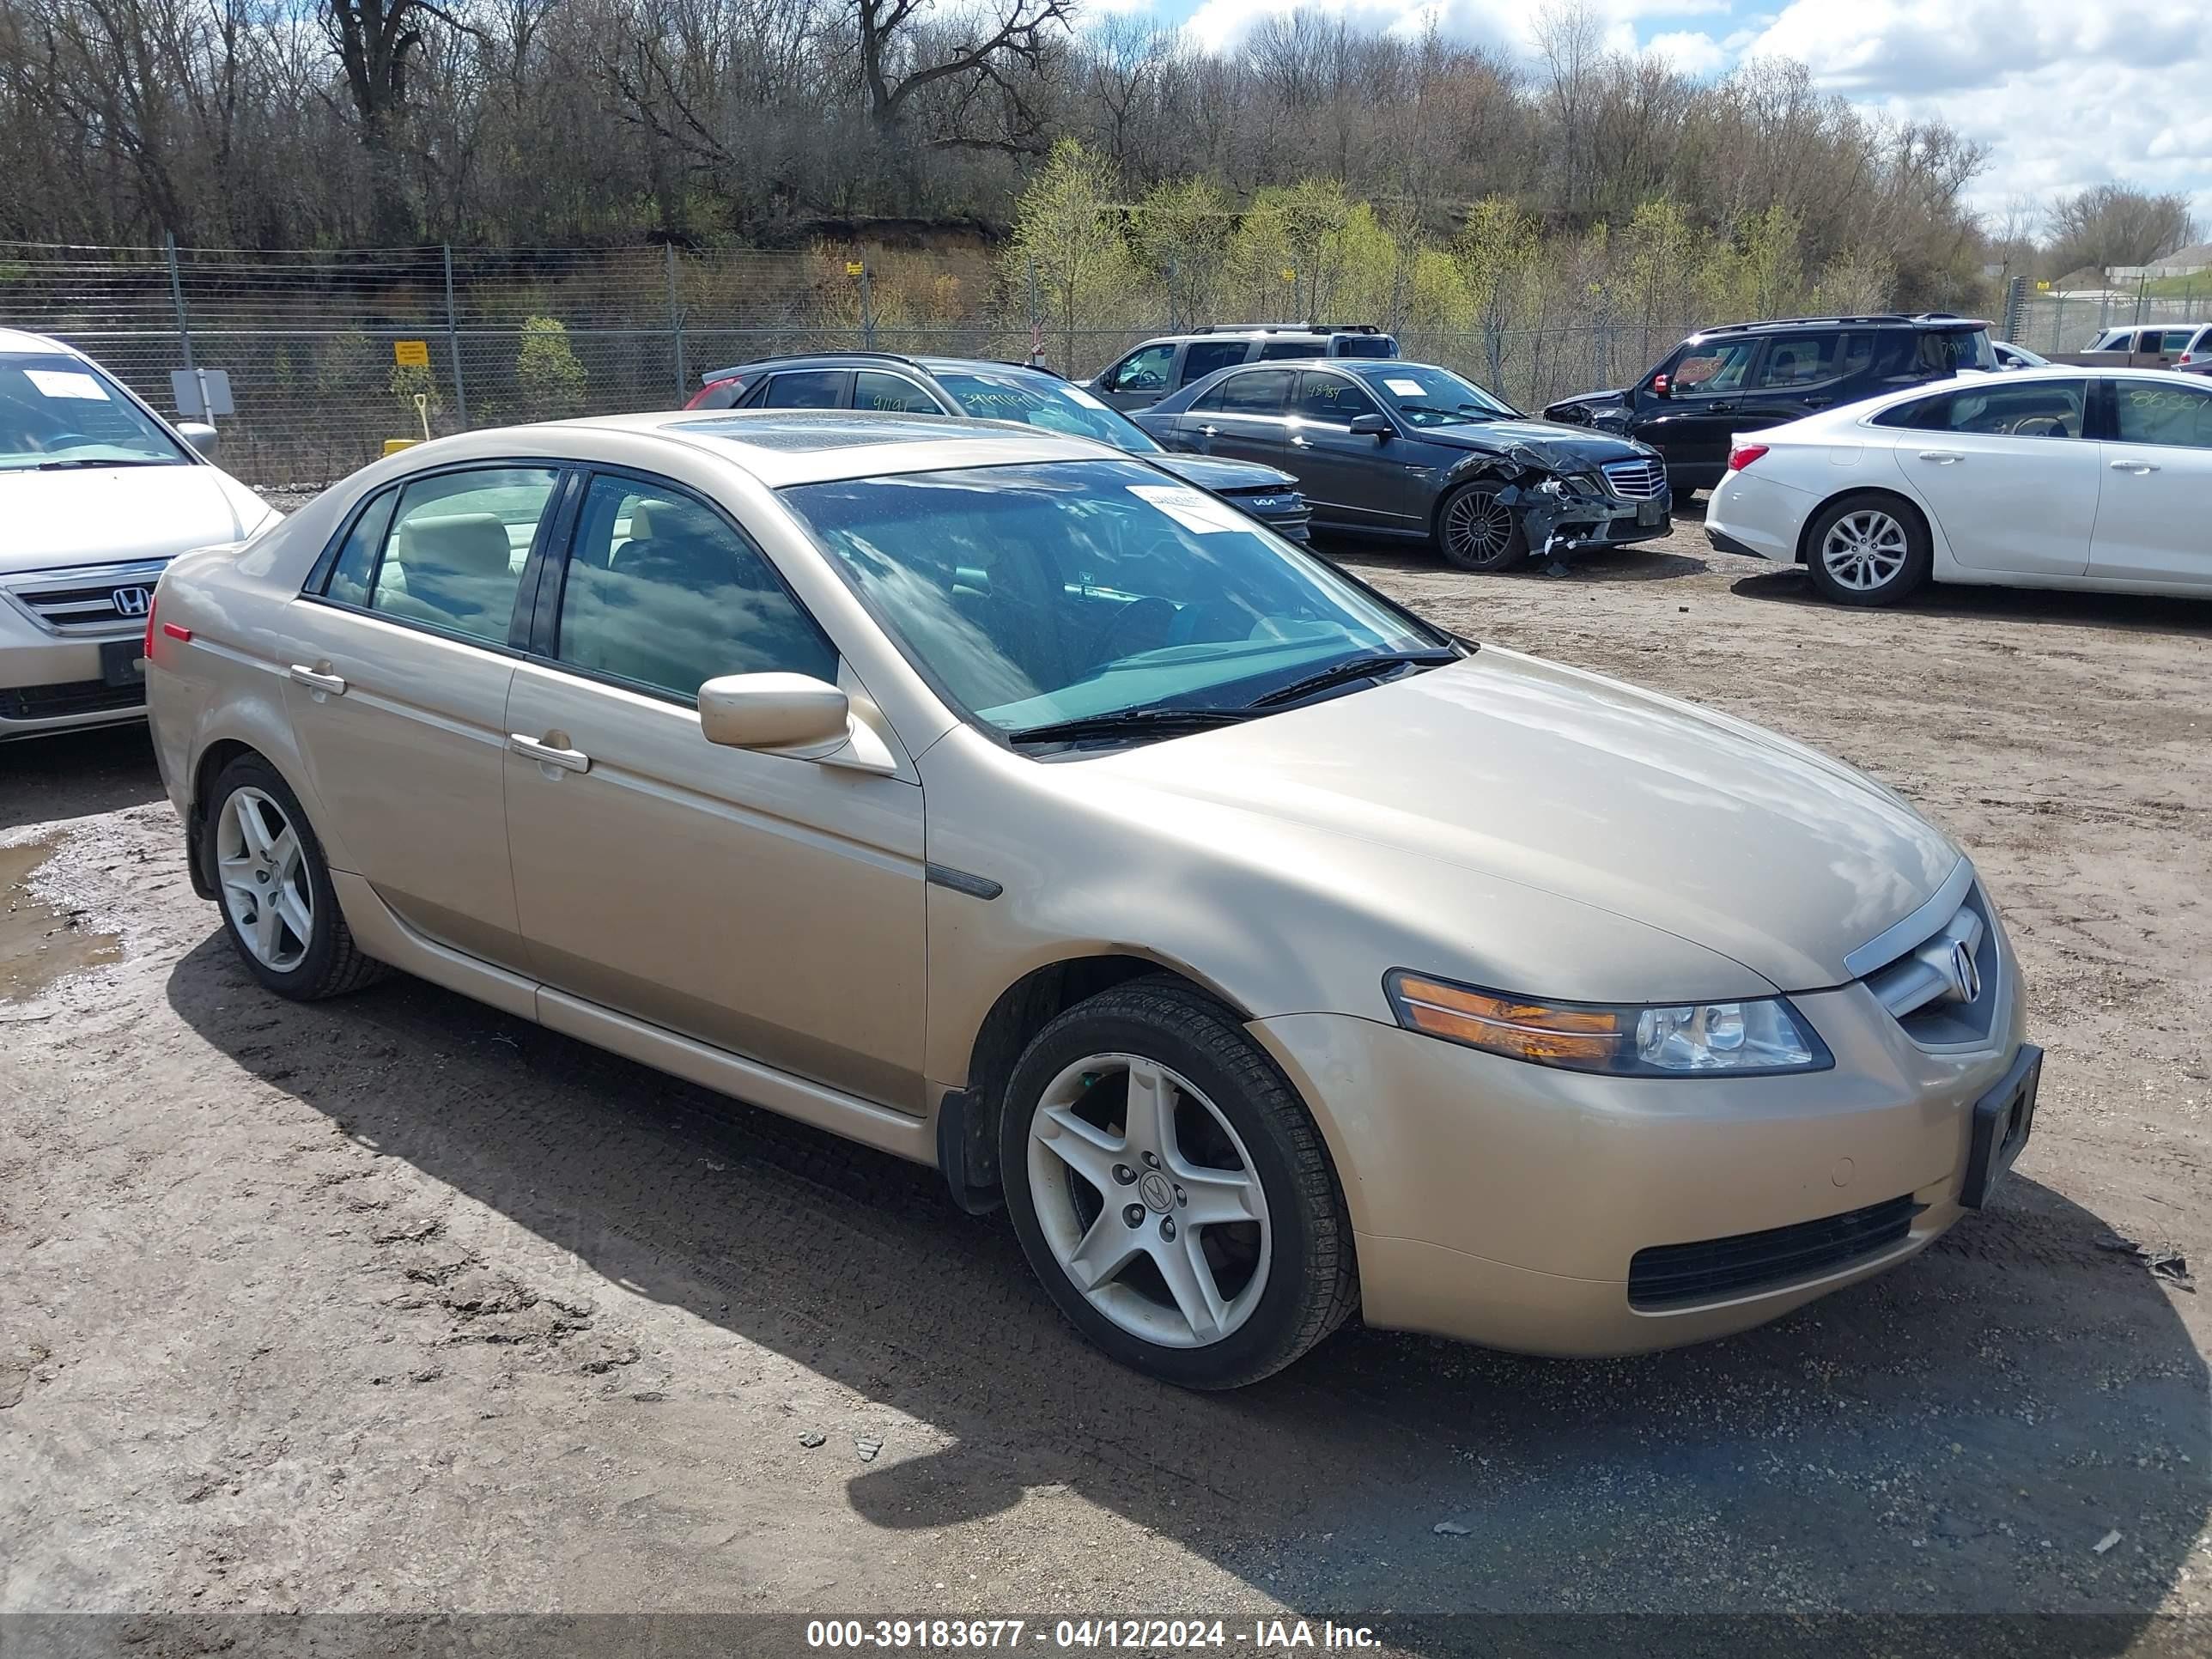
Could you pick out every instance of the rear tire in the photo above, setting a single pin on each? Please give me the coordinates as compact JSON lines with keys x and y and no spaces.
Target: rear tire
{"x":1868,"y":548}
{"x":1171,"y":1191}
{"x":1477,"y":531}
{"x":273,"y":886}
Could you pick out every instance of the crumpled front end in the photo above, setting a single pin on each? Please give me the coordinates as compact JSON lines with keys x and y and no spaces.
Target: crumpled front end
{"x":1608,"y":504}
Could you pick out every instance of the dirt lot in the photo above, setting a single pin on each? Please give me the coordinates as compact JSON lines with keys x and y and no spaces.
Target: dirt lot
{"x":395,"y":1303}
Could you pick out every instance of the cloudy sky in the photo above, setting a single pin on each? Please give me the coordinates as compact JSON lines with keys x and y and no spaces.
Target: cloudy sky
{"x":2066,"y":93}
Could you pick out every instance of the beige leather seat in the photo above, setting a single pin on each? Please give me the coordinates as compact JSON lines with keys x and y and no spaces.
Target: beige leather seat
{"x":454,"y":568}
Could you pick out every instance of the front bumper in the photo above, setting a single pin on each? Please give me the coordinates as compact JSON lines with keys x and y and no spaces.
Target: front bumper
{"x":1502,"y":1203}
{"x":1292,"y":524}
{"x":1588,"y":518}
{"x":49,"y":684}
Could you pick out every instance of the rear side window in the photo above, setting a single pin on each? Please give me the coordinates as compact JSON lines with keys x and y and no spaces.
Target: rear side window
{"x":804,"y":388}
{"x":662,"y":591}
{"x":1365,"y":345}
{"x":1307,"y":347}
{"x":1257,"y":391}
{"x":2177,"y":417}
{"x":1801,"y":359}
{"x":355,"y":566}
{"x":2043,"y":409}
{"x":890,"y":394}
{"x":457,"y":546}
{"x":1203,"y":357}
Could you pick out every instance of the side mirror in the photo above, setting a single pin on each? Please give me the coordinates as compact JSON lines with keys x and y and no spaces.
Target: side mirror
{"x":773,"y":711}
{"x":1371,"y":425}
{"x":1660,"y":388}
{"x":200,"y":435}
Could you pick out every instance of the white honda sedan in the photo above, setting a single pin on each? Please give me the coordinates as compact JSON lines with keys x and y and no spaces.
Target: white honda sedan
{"x":98,"y":493}
{"x":2044,"y":478}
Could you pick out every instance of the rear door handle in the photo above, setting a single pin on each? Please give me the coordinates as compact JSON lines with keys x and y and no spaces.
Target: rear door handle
{"x":1941,"y":457}
{"x":2136,"y":467}
{"x":333,"y":684}
{"x":568,"y":760}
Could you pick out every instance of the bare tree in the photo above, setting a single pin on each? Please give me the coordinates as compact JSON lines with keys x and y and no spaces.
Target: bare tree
{"x":2115,"y":224}
{"x":900,"y":58}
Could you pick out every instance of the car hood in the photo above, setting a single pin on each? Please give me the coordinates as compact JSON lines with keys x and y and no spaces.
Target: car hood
{"x":1548,"y":443}
{"x":1222,"y":477}
{"x":1728,"y":836}
{"x":113,"y":515}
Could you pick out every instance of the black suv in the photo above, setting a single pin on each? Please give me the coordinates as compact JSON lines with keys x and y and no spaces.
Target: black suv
{"x":1168,"y":362}
{"x":1723,"y":381}
{"x":885,"y":382}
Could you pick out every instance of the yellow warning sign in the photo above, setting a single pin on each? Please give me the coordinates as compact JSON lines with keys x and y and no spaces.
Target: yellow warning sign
{"x":411,"y":354}
{"x":851,"y":267}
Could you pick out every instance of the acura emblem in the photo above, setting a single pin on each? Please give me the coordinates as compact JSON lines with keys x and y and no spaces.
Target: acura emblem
{"x":1965,"y":977}
{"x":131,"y":601}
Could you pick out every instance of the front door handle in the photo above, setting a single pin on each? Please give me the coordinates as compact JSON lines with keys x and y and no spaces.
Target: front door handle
{"x":1208,"y":431}
{"x":568,"y":760}
{"x":1941,"y":457}
{"x":2136,"y":467}
{"x":317,"y":679}
{"x":1720,"y":409}
{"x":1300,"y":443}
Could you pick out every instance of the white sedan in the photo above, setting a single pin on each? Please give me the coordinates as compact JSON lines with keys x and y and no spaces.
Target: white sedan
{"x":98,"y":493}
{"x":2043,"y":477}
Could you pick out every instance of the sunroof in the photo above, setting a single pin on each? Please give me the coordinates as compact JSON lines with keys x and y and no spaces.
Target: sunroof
{"x":828,"y":431}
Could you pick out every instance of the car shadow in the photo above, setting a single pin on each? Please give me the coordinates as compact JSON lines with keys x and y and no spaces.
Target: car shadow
{"x":75,"y":773}
{"x":2140,"y":613}
{"x":1909,"y":1442}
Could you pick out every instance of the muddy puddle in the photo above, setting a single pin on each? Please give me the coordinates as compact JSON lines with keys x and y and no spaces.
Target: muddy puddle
{"x":39,"y":943}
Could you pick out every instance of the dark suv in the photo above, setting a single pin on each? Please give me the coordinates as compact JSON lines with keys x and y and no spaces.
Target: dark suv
{"x":1723,"y":381}
{"x":1168,"y":362}
{"x":886,"y":383}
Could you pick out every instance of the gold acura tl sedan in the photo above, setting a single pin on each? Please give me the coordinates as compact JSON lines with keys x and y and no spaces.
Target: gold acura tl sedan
{"x":998,"y":801}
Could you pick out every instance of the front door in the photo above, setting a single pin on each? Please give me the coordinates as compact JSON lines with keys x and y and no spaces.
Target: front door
{"x":2152,"y":522}
{"x":1351,"y":478}
{"x":399,"y":695}
{"x":2007,"y":468}
{"x":1694,"y":423}
{"x":1140,"y":380}
{"x":768,"y":905}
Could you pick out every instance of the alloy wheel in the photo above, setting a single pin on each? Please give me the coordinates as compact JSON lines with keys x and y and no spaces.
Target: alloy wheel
{"x":1865,"y":550}
{"x":263,"y":873}
{"x":1149,"y":1201}
{"x":1477,"y":527}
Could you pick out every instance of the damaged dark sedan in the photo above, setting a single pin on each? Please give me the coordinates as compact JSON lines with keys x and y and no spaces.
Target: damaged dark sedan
{"x":1395,"y":448}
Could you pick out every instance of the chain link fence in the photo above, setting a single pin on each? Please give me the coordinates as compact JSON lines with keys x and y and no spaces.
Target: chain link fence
{"x":331,"y":354}
{"x":2068,"y":322}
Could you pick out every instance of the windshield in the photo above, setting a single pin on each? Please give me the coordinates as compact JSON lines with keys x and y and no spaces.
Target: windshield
{"x":1041,"y":400}
{"x":56,"y":410}
{"x":1047,"y":592}
{"x":1436,"y":397}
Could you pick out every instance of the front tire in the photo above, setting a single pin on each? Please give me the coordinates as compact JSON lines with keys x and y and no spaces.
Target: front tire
{"x":1476,"y":530}
{"x":273,"y":886}
{"x":1868,"y":549}
{"x":1171,"y":1193}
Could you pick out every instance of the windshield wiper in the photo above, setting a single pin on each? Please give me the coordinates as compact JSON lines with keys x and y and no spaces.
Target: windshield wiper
{"x":1351,"y":668}
{"x":63,"y":466}
{"x":1160,"y":722}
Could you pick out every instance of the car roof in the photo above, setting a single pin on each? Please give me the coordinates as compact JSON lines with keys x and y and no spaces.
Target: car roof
{"x":2029,"y":376}
{"x":1931,"y":321}
{"x":14,"y":339}
{"x":927,"y":365}
{"x":790,"y":446}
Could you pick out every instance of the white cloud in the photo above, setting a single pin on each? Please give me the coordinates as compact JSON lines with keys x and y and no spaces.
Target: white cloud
{"x":1691,"y":52}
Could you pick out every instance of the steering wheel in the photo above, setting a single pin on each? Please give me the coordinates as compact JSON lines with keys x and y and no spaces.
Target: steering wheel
{"x":1143,"y":624}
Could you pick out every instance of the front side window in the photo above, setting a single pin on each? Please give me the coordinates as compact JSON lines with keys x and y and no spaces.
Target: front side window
{"x":59,"y":412}
{"x":1332,"y":399}
{"x":1146,"y":371}
{"x":1436,"y":397}
{"x":1042,"y":400}
{"x":1713,"y":367}
{"x":892,"y":394}
{"x":662,"y":591}
{"x":1046,"y":592}
{"x":2177,"y":417}
{"x":454,"y":555}
{"x":804,"y":388}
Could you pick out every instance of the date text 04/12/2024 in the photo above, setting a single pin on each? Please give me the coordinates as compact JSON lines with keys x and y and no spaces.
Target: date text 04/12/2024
{"x":1257,"y":1636}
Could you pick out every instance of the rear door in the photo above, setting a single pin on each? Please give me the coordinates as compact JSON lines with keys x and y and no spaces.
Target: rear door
{"x":1801,"y":374}
{"x":407,"y":649}
{"x":2155,"y":513}
{"x":1245,"y":417}
{"x":2008,"y":469}
{"x":1203,"y":357}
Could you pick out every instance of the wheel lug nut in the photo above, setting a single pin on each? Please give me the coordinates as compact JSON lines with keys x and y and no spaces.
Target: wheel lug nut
{"x":1124,"y":1174}
{"x":1151,"y":1160}
{"x":1133,"y":1214}
{"x":1182,"y":1197}
{"x":1167,"y":1226}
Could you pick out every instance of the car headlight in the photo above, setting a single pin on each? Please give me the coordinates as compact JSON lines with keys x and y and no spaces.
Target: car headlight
{"x":1752,"y":1037}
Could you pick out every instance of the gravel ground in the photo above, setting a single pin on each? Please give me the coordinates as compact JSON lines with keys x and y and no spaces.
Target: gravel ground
{"x":395,"y":1304}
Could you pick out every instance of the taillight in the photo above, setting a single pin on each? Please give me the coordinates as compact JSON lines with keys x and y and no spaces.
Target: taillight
{"x":1743,"y":455}
{"x":2185,"y":357}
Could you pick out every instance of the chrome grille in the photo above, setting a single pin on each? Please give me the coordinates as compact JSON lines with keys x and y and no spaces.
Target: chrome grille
{"x":1635,"y":481}
{"x":88,"y":599}
{"x":1942,"y":986}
